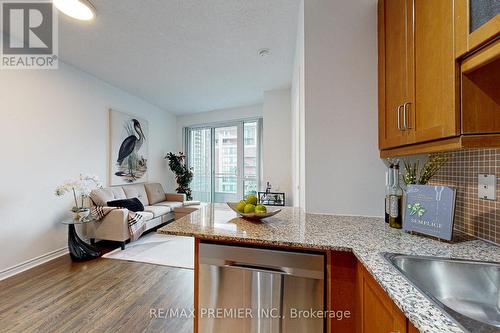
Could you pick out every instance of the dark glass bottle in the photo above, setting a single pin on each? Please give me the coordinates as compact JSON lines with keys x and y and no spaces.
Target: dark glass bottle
{"x":396,"y":201}
{"x":388,"y":184}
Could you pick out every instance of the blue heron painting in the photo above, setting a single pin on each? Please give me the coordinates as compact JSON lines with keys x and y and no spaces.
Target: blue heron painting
{"x":129,"y":154}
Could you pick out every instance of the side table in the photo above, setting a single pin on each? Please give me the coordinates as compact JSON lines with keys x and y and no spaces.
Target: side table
{"x":78,"y":249}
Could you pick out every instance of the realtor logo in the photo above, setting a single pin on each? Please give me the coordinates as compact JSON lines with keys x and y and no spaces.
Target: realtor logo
{"x":29,"y":35}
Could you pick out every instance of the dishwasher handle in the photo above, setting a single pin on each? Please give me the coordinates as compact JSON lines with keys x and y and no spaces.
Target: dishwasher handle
{"x":256,"y":268}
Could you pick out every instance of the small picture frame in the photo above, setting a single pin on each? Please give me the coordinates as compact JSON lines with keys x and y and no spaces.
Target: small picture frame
{"x":272,"y":198}
{"x":430,"y":210}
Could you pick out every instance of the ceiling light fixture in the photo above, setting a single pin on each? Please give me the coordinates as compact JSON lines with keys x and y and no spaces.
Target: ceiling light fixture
{"x":79,"y":9}
{"x":264,"y":52}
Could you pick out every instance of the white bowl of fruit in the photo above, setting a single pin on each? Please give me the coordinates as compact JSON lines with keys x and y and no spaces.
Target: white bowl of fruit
{"x":251,"y":209}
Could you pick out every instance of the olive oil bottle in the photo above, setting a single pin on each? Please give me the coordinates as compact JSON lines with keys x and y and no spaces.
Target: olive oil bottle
{"x":396,"y":201}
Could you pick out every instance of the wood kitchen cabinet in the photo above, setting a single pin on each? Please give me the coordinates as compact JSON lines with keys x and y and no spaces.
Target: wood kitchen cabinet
{"x":377,"y":312}
{"x":412,"y":329}
{"x":395,"y":72}
{"x":476,"y":24}
{"x":354,"y":289}
{"x":435,"y":111}
{"x":481,"y":91}
{"x":418,"y":74}
{"x":427,"y":101}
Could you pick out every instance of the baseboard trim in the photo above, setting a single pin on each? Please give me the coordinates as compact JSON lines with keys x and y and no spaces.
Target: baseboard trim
{"x":24,"y":266}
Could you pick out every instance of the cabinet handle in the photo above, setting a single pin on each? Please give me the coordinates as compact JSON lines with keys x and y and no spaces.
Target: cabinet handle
{"x":406,"y":121}
{"x":398,"y":110}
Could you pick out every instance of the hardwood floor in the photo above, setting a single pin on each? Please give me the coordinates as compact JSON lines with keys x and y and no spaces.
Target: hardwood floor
{"x":102,"y":295}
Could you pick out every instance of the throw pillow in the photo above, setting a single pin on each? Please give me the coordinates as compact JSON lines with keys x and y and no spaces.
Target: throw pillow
{"x":133,"y":204}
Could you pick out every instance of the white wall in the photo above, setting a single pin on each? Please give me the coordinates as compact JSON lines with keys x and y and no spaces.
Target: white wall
{"x":298,"y":117}
{"x":210,"y":117}
{"x":54,"y":126}
{"x":343,"y":172}
{"x":277,"y":148}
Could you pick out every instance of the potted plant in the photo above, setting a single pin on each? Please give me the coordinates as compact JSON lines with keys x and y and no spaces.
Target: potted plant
{"x":80,"y":188}
{"x":183,"y":174}
{"x":420,"y":175}
{"x":414,"y":174}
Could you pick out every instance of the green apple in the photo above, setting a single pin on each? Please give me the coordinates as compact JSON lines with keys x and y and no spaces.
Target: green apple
{"x":260,"y":209}
{"x":240,"y":207}
{"x":249,"y":208}
{"x":252,"y":199}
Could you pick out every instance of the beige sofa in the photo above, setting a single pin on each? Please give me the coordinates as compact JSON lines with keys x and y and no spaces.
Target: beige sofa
{"x":158,"y":209}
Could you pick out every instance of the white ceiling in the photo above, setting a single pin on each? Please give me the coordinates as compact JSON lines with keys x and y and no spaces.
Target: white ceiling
{"x":186,"y":55}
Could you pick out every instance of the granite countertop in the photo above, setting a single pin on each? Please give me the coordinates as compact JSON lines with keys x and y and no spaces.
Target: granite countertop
{"x":366,"y":237}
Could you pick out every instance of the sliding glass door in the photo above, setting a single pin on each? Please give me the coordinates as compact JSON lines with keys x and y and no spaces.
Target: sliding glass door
{"x":226,"y":168}
{"x":225,"y":159}
{"x":251,"y":157}
{"x":200,"y":160}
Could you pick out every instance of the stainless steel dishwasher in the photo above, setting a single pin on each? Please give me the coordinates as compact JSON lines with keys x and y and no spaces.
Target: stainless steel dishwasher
{"x":250,"y":290}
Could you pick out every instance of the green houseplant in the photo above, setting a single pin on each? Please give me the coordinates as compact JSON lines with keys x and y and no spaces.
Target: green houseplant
{"x":183,"y":174}
{"x":415,"y":174}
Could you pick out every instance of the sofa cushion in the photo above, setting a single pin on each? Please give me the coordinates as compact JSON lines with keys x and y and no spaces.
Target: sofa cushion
{"x":118,"y":192}
{"x":155,"y":193}
{"x":192,"y":203}
{"x":132,"y":204}
{"x":101,"y":196}
{"x":154,"y":222}
{"x":137,"y":191}
{"x":181,"y":197}
{"x":157,"y":210}
{"x":171,"y":204}
{"x":147,"y":215}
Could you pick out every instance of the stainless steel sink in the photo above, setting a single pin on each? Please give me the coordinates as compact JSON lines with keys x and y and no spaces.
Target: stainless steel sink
{"x":467,"y":290}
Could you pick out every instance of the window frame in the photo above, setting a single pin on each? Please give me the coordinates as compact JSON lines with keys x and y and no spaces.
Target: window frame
{"x":240,"y":174}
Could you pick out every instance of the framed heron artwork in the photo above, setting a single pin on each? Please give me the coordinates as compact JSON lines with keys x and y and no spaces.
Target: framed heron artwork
{"x":128,"y":148}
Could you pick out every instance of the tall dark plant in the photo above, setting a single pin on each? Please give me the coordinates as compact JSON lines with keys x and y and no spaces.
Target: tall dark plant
{"x":183,"y":174}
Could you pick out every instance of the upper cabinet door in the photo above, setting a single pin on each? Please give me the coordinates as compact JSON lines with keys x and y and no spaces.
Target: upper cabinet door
{"x":484,"y":22}
{"x":477,"y":23}
{"x":393,"y":71}
{"x":434,"y":113}
{"x":424,"y":103}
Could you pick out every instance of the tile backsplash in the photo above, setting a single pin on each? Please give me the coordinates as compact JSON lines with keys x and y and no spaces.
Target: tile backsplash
{"x":473,"y":216}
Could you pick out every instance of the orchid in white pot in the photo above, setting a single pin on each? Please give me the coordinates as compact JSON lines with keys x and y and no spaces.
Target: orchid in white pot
{"x":80,"y":188}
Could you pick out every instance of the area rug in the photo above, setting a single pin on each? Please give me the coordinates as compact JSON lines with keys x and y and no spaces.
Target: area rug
{"x":153,"y":248}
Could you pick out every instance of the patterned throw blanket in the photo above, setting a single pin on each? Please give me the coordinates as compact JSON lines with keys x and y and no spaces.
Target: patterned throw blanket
{"x":136,"y":223}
